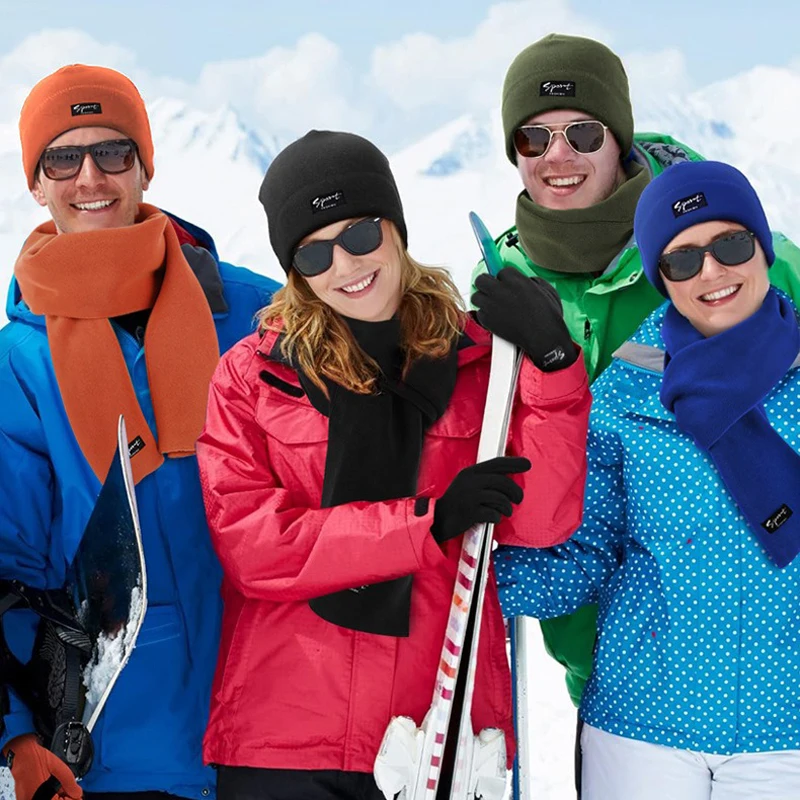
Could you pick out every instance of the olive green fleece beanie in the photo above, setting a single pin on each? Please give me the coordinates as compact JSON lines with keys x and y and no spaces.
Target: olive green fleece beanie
{"x":571,"y":72}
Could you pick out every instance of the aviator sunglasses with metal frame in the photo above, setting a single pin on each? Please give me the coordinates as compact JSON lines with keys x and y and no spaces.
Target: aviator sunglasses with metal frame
{"x":113,"y":156}
{"x":731,"y":250}
{"x":358,"y":239}
{"x":584,"y":136}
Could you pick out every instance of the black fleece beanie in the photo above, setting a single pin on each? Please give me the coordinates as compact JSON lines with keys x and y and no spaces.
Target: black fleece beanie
{"x":322,"y":178}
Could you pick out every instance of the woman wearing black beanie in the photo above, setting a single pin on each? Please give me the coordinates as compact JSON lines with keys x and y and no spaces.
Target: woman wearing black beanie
{"x":338,"y":468}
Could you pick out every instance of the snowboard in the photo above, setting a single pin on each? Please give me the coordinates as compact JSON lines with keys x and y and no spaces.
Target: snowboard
{"x":107,"y":591}
{"x":444,"y":759}
{"x":110,"y":581}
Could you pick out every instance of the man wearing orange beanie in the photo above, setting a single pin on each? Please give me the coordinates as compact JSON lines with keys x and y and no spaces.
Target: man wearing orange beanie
{"x":115,"y":307}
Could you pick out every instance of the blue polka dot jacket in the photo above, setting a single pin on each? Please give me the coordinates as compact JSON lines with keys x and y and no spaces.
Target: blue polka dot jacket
{"x":698,"y":631}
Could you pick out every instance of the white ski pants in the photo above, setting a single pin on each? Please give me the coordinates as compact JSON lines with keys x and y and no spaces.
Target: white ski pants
{"x":616,"y":768}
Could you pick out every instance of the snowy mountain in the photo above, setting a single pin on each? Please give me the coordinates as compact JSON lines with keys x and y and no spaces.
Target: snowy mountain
{"x":209,"y":168}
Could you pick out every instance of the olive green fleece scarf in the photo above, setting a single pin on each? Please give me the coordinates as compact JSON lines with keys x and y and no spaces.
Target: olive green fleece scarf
{"x":582,"y":239}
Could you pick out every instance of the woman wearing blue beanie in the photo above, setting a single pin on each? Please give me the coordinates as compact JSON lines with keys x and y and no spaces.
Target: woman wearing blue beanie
{"x":691,"y":528}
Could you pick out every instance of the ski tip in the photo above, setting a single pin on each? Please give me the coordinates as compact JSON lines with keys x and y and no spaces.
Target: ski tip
{"x":479,"y":229}
{"x":494,"y":263}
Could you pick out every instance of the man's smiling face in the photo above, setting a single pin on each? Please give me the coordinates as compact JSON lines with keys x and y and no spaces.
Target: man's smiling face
{"x":563,"y":179}
{"x":91,"y":200}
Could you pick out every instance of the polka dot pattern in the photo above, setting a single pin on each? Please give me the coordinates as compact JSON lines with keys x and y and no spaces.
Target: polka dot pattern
{"x":699,"y":633}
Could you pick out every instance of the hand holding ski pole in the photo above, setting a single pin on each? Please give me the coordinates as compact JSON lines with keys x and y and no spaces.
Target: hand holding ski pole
{"x":526,"y":312}
{"x":32,"y":766}
{"x":480,"y":493}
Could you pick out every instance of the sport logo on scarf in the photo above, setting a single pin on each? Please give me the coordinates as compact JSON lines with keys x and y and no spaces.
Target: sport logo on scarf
{"x":777,"y":519}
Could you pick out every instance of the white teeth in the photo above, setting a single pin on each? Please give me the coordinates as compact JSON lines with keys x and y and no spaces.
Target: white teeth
{"x":720,"y":294}
{"x":94,"y":206}
{"x":357,"y":287}
{"x":571,"y":181}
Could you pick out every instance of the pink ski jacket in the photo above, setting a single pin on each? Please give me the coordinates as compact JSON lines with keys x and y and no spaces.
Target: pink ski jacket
{"x":291,"y":690}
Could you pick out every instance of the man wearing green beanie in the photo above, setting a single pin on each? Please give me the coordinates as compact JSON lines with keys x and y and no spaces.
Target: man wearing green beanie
{"x":568,"y":127}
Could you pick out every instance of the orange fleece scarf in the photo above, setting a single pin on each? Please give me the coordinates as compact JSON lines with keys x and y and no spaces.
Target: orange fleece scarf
{"x":78,"y":281}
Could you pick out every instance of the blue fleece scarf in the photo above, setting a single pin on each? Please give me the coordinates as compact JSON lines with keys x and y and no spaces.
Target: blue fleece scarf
{"x":715,"y":387}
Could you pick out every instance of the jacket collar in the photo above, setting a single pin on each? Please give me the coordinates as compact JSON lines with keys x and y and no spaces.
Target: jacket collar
{"x":645,"y":351}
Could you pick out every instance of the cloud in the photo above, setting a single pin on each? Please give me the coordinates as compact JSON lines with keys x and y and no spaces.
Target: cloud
{"x":655,"y":75}
{"x":466,"y":73}
{"x":288,"y":89}
{"x":42,"y":53}
{"x":414,"y":84}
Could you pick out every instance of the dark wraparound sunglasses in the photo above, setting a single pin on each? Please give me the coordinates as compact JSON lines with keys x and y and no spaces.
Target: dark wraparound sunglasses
{"x":358,"y":239}
{"x":732,"y":250}
{"x":584,"y":137}
{"x":112,"y":157}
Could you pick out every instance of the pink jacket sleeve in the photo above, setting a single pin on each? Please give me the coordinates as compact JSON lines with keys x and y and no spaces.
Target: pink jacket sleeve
{"x":548,"y":426}
{"x":271,"y":549}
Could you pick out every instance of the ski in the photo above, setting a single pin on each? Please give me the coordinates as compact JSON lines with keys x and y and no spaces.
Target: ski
{"x":519,"y":630}
{"x":444,"y":759}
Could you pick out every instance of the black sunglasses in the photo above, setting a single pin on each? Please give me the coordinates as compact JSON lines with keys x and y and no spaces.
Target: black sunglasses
{"x":112,"y":157}
{"x":732,"y":250}
{"x":358,"y":239}
{"x":584,"y":137}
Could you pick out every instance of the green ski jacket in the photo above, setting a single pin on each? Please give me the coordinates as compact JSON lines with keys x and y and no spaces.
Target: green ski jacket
{"x":602,"y":312}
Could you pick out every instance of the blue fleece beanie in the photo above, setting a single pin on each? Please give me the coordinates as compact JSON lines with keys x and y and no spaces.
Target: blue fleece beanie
{"x":687,"y":194}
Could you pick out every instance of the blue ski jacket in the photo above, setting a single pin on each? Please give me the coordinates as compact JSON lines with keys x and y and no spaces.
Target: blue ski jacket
{"x":698,"y":631}
{"x":149,"y":736}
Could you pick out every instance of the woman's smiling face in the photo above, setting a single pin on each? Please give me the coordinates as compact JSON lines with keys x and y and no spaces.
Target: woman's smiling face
{"x":718,"y":297}
{"x":364,"y":287}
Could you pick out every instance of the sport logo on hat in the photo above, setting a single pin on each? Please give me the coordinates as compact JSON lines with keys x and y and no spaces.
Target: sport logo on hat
{"x":82,"y":109}
{"x":557,"y":89}
{"x":324,"y":202}
{"x":692,"y":203}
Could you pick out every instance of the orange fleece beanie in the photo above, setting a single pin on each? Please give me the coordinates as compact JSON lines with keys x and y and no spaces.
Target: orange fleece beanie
{"x":80,"y":96}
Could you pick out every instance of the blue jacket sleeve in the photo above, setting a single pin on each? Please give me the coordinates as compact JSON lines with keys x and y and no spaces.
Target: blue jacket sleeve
{"x":26,"y":513}
{"x":558,"y":580}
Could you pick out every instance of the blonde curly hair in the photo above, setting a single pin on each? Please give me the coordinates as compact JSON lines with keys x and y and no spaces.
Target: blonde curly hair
{"x":318,"y":341}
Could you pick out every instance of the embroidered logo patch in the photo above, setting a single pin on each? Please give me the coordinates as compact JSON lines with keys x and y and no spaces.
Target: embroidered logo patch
{"x":777,"y":519}
{"x":554,"y":356}
{"x":687,"y":204}
{"x":82,"y":109}
{"x":135,"y":446}
{"x":324,"y":202}
{"x":557,"y":89}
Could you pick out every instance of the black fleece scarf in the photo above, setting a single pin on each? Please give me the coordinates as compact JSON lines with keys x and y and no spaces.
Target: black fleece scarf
{"x":581,"y":240}
{"x":374,"y":450}
{"x":716,"y":387}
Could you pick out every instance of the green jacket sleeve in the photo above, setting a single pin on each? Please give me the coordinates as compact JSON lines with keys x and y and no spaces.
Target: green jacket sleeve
{"x":785,"y":272}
